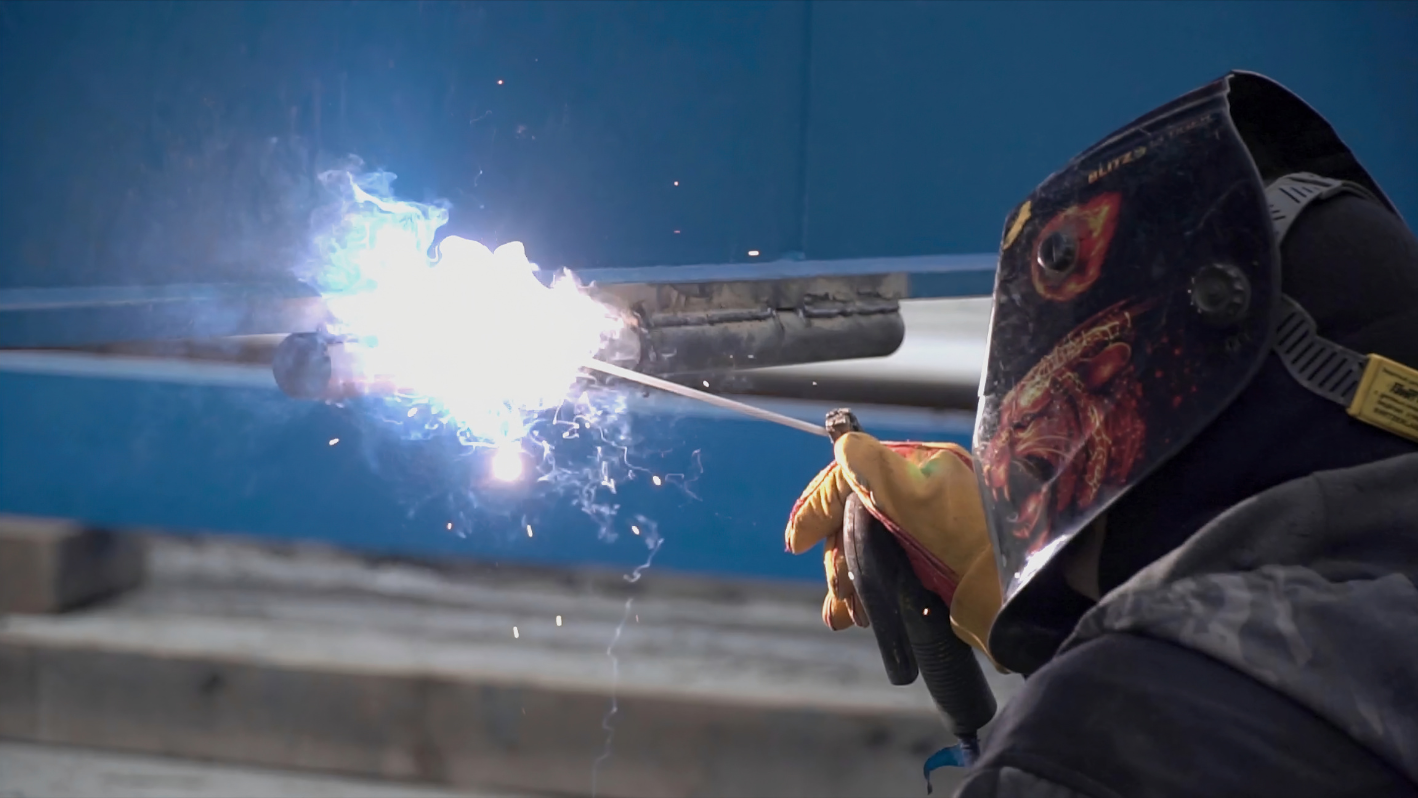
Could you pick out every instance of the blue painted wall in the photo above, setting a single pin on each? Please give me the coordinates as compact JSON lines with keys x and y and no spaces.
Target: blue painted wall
{"x":159,"y":142}
{"x":194,"y":458}
{"x":931,"y":120}
{"x":177,"y":142}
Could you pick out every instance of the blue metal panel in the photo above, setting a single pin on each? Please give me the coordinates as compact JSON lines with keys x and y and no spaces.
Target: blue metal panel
{"x":930,"y":275}
{"x":930,"y":121}
{"x":177,"y":142}
{"x":161,"y":142}
{"x":73,"y":317}
{"x":164,"y":454}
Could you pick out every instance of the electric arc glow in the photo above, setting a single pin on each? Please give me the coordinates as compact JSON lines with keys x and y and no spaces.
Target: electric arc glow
{"x":469,"y":331}
{"x":507,"y":463}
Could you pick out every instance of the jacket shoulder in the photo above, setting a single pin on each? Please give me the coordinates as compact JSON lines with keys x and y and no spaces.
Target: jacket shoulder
{"x":1134,"y":716}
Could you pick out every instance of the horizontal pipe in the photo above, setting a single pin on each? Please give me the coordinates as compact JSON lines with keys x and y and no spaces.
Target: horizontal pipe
{"x":84,"y":316}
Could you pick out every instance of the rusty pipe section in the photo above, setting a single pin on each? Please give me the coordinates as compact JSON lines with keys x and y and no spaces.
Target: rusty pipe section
{"x":670,"y":329}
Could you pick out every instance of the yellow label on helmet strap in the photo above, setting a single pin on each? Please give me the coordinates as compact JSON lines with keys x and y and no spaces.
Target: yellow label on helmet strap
{"x":1388,"y":397}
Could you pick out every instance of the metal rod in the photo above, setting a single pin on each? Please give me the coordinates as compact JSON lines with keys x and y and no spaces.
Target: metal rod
{"x":707,"y":398}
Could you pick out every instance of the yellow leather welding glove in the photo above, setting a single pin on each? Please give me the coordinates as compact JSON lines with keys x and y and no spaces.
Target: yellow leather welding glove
{"x":926,"y":494}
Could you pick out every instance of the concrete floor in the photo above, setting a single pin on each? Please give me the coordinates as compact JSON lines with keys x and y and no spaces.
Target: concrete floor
{"x":275,"y":662}
{"x":47,"y":771}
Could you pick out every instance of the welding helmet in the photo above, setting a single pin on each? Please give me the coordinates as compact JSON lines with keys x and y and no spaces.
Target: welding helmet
{"x":1138,"y":293}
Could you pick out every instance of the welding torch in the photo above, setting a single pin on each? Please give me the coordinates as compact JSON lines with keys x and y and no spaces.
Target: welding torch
{"x":899,"y":611}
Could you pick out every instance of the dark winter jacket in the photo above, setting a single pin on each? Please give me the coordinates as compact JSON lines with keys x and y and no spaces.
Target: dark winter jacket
{"x":1274,"y":653}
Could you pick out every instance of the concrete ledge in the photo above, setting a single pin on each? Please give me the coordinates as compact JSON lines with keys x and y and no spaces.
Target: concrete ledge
{"x":397,"y":672}
{"x":45,"y":771}
{"x":51,"y":565}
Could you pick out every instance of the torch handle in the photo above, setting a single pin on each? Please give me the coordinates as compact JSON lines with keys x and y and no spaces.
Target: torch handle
{"x":911,"y":622}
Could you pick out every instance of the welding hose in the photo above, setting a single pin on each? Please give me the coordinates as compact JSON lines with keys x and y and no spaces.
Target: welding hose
{"x":913,"y":631}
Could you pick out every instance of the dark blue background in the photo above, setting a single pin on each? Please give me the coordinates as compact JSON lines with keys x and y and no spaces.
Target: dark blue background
{"x":177,"y":142}
{"x":203,"y":458}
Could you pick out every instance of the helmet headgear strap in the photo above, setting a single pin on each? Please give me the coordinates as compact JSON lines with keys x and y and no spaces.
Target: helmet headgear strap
{"x":1374,"y":389}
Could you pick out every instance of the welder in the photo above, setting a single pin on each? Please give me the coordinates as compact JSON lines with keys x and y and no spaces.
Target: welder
{"x":1190,"y":516}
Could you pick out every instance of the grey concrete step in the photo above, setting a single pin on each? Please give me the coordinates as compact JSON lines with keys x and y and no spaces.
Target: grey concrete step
{"x":317,"y":660}
{"x":50,"y":565}
{"x":28,"y":770}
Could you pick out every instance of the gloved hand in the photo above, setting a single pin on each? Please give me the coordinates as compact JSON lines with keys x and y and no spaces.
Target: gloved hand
{"x":927,"y":496}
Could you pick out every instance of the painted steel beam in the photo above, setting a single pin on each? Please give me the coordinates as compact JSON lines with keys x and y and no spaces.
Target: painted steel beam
{"x":47,"y":318}
{"x":50,"y":318}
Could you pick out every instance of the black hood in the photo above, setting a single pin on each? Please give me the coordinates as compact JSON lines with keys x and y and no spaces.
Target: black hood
{"x":1353,"y":265}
